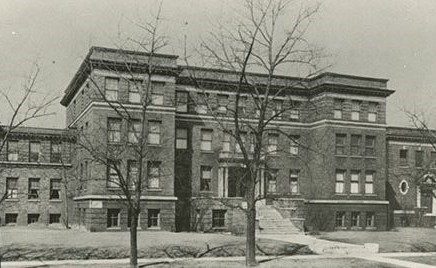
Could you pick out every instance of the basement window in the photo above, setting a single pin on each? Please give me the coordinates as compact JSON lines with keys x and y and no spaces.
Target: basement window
{"x":218,"y":218}
{"x":55,"y":218}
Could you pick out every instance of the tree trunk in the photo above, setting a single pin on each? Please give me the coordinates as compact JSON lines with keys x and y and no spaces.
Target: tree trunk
{"x":134,"y":240}
{"x":250,"y":254}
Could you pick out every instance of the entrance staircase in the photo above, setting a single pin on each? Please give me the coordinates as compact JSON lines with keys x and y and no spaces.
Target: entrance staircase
{"x":271,"y":222}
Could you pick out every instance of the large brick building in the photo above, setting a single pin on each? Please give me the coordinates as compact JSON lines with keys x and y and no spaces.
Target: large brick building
{"x":345,"y":172}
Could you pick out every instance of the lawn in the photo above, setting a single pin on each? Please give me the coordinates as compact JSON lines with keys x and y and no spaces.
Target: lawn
{"x":47,"y":244}
{"x":430,"y":260}
{"x":401,"y":240}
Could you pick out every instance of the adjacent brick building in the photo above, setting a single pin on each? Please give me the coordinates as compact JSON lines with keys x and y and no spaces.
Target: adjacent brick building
{"x":33,"y":170}
{"x":339,"y":170}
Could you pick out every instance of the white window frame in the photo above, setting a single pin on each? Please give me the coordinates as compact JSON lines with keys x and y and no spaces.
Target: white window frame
{"x":206,"y":139}
{"x":181,"y":138}
{"x":369,"y":182}
{"x":154,"y":132}
{"x":354,"y":182}
{"x":110,"y":90}
{"x":340,"y":182}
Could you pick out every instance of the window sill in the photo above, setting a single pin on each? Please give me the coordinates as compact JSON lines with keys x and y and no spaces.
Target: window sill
{"x":341,"y":228}
{"x":356,"y":228}
{"x":55,"y":200}
{"x":34,"y":200}
{"x":341,"y":194}
{"x":154,"y":189}
{"x":153,"y":228}
{"x":370,"y":194}
{"x":219,"y":228}
{"x":341,"y":155}
{"x":182,"y":148}
{"x":356,"y":156}
{"x":370,"y":157}
{"x":356,"y":194}
{"x":371,"y":228}
{"x":207,"y":152}
{"x":12,"y":199}
{"x":114,"y":228}
{"x":154,"y":145}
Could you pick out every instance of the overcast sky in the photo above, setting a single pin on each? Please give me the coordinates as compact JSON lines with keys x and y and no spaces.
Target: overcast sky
{"x":394,"y":39}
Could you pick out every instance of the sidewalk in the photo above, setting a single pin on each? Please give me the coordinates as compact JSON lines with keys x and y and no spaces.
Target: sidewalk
{"x":380,"y":258}
{"x":321,"y":246}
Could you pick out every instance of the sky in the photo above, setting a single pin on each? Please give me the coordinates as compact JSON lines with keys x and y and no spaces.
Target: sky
{"x":393,"y":39}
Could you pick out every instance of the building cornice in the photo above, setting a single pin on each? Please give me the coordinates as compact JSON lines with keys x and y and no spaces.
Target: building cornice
{"x":117,"y":197}
{"x":337,"y":201}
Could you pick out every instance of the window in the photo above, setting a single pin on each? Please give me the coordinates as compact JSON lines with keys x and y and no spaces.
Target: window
{"x":355,"y":219}
{"x":32,"y":218}
{"x":201,"y":106}
{"x":154,"y":174}
{"x":154,"y":132}
{"x":181,"y":101}
{"x":12,"y":187}
{"x":372,"y":111}
{"x":218,"y":218}
{"x":113,"y":218}
{"x":242,"y":105}
{"x":206,"y":139}
{"x":277,"y":109}
{"x":226,"y":143}
{"x":132,"y":173}
{"x":355,"y":110}
{"x":355,"y":144}
{"x":370,"y":219}
{"x":55,"y":152}
{"x":340,"y":181}
{"x":12,"y":150}
{"x":294,"y":148}
{"x":295,"y":111}
{"x":33,"y":190}
{"x":293,"y":181}
{"x":134,"y":132}
{"x":419,"y":158}
{"x":272,"y":143}
{"x":404,"y":187}
{"x":354,"y":185}
{"x":369,"y":145}
{"x":223,"y":101}
{"x":243,"y":136}
{"x":114,"y":130}
{"x":369,"y":182}
{"x":157,"y":93}
{"x":272,"y":180}
{"x":403,"y":157}
{"x":337,"y":109}
{"x":181,"y":138}
{"x":153,"y":219}
{"x":11,"y":218}
{"x":340,"y":219}
{"x":111,"y":88}
{"x":34,"y":151}
{"x":55,"y":188}
{"x":135,"y":89}
{"x":112,"y":176}
{"x":206,"y":178}
{"x":340,"y":144}
{"x":54,"y":218}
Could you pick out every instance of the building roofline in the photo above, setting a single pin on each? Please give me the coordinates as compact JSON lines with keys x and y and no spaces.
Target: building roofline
{"x":84,"y":70}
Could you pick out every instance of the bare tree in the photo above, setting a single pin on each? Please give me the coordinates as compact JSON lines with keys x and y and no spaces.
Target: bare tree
{"x":269,"y":40}
{"x":27,"y":107}
{"x":130,"y":177}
